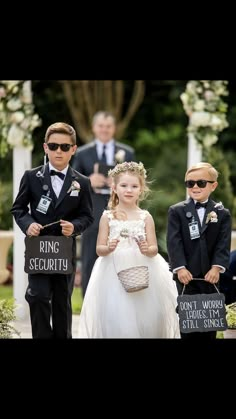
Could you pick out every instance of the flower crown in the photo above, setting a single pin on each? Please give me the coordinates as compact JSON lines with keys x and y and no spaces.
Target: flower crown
{"x":128,"y":167}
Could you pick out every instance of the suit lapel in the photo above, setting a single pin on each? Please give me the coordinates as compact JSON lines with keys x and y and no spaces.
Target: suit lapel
{"x":47,"y":181}
{"x":190,"y":210}
{"x":93,"y":153}
{"x":191,"y":213}
{"x":46,"y":184}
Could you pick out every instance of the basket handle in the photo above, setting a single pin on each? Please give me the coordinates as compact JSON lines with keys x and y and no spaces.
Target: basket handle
{"x":199,"y":279}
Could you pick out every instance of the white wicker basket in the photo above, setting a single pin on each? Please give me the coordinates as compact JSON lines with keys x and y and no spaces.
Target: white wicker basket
{"x":134,"y":279}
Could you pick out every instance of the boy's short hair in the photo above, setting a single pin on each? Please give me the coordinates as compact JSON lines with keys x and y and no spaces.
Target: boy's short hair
{"x":61,"y":128}
{"x":213,"y":174}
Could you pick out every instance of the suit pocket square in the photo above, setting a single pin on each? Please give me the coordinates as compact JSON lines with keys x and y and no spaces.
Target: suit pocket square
{"x":74,"y":193}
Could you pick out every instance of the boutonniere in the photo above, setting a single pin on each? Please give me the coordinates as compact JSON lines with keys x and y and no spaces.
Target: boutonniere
{"x":212,"y":217}
{"x":75,"y":186}
{"x":120,"y":156}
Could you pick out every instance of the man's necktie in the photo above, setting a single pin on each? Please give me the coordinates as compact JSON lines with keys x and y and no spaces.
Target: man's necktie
{"x":55,"y":173}
{"x":200,"y":205}
{"x":104,"y":157}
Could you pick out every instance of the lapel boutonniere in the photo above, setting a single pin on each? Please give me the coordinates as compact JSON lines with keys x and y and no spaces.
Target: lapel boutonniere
{"x":75,"y":186}
{"x":120,"y":156}
{"x":212,"y":217}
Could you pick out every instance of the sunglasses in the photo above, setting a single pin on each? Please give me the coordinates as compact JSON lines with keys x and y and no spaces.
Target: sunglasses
{"x":201,"y":183}
{"x":63,"y":147}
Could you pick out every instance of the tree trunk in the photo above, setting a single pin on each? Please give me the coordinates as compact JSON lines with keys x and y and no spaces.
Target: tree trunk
{"x":86,"y":97}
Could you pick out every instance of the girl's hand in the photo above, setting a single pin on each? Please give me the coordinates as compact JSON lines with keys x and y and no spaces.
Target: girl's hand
{"x":143,"y":246}
{"x":112,"y":244}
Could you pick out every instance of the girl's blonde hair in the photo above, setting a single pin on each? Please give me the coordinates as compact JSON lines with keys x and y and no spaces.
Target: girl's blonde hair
{"x":213,"y":174}
{"x":133,"y":168}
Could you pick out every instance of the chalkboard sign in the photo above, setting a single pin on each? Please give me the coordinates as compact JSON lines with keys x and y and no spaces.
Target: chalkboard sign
{"x":48,"y":255}
{"x":202,"y":312}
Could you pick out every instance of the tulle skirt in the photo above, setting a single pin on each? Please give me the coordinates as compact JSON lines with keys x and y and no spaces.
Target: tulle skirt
{"x":109,"y":311}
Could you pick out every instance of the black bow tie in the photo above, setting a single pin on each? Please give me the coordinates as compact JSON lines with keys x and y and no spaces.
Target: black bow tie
{"x":55,"y":173}
{"x":200,"y":205}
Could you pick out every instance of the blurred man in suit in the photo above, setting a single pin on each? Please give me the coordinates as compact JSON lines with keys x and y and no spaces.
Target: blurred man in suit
{"x":91,"y":160}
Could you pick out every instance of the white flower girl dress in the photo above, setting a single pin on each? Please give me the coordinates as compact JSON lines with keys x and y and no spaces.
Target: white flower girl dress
{"x":109,"y":311}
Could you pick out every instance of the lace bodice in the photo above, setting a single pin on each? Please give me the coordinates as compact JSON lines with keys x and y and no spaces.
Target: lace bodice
{"x":127,"y":230}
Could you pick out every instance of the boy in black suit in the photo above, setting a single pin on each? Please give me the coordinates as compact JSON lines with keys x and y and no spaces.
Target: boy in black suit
{"x":106,"y":151}
{"x":198,"y":237}
{"x":54,"y":192}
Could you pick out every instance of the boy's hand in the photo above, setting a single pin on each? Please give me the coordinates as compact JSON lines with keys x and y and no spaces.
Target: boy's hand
{"x":67,"y":228}
{"x":184,"y":276}
{"x":34,"y":229}
{"x":213,"y":275}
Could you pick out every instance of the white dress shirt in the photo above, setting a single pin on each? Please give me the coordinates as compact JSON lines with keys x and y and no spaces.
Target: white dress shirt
{"x":56,"y":181}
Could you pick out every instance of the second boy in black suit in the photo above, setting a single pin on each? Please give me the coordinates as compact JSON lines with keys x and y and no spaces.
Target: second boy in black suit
{"x":54,"y":192}
{"x":198,"y":237}
{"x":85,"y":161}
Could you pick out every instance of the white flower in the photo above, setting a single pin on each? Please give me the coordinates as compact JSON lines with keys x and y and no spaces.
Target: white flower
{"x":15,"y":135}
{"x":75,"y":186}
{"x":206,"y":109}
{"x":120,"y":156}
{"x":210,"y":139}
{"x":199,"y":119}
{"x":212,"y":217}
{"x":17,"y":117}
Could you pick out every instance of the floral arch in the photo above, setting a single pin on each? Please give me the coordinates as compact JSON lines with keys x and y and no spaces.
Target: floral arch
{"x":206,"y":109}
{"x":17,"y":117}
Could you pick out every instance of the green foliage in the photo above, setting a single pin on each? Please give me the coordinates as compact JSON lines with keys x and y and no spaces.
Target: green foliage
{"x":224,"y":190}
{"x":77,"y":300}
{"x":166,"y":175}
{"x":7,"y":315}
{"x":231,"y":315}
{"x":6,"y":220}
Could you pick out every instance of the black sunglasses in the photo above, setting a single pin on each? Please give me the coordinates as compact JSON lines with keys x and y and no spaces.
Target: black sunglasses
{"x":63,"y":147}
{"x":201,"y":183}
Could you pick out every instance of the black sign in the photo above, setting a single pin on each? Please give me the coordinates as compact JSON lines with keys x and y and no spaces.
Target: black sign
{"x":202,"y":312}
{"x":48,"y":255}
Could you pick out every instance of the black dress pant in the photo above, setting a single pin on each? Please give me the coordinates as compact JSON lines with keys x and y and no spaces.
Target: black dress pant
{"x":49,"y":298}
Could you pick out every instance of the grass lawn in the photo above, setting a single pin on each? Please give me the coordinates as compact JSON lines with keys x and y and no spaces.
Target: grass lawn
{"x":6,"y":293}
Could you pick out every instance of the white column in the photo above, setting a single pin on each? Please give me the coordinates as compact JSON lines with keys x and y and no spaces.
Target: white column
{"x":21,"y":162}
{"x":194,"y":151}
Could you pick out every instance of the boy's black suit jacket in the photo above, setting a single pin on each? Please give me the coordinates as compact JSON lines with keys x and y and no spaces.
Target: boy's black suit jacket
{"x":76,"y":209}
{"x":211,"y":248}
